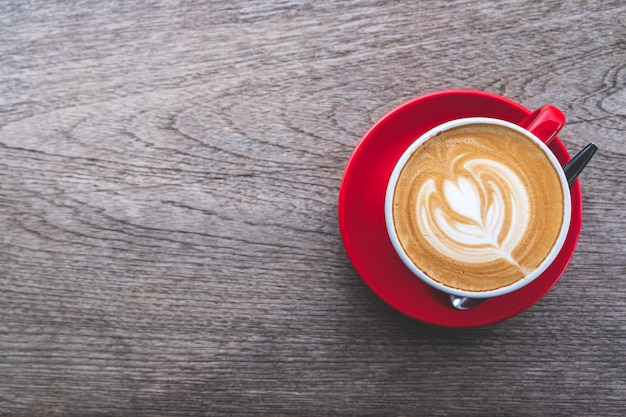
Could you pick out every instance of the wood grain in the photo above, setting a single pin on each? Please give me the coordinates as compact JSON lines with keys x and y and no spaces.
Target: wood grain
{"x":169,"y":174}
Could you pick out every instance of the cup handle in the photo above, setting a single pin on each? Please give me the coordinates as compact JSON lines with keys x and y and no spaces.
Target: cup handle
{"x":545,"y":122}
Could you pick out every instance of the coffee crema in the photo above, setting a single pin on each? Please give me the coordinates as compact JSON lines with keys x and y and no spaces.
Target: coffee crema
{"x":478,"y":207}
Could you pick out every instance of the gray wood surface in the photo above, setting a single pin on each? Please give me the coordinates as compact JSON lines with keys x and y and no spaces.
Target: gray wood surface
{"x":169,"y":173}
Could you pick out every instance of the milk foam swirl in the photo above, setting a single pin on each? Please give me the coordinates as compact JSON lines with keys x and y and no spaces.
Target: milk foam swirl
{"x":480,"y":217}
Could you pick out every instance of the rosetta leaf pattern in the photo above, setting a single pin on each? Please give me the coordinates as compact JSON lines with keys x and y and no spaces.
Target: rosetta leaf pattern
{"x":466,"y":216}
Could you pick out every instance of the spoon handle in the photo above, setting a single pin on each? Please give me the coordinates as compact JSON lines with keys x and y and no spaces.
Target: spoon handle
{"x":575,"y":166}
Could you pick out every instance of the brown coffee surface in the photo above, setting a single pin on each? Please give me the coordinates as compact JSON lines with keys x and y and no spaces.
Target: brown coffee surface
{"x":478,"y":207}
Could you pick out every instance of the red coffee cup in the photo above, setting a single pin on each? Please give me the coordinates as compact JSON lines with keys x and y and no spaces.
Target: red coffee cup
{"x":362,"y":220}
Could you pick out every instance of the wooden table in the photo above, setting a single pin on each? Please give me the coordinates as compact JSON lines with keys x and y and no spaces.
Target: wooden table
{"x":168,"y":208}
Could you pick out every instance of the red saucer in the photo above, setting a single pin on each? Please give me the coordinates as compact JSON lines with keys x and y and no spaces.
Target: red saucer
{"x":362,"y":219}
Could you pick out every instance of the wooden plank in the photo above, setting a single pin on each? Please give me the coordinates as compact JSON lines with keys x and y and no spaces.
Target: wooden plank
{"x":169,"y":179}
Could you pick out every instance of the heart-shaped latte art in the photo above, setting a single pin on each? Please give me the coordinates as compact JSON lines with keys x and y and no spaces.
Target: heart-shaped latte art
{"x":478,"y":215}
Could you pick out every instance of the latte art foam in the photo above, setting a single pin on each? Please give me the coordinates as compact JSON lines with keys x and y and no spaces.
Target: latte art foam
{"x":478,"y":207}
{"x":457,"y":224}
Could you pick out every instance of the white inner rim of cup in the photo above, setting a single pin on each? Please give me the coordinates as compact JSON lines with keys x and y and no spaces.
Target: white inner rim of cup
{"x":395,"y":174}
